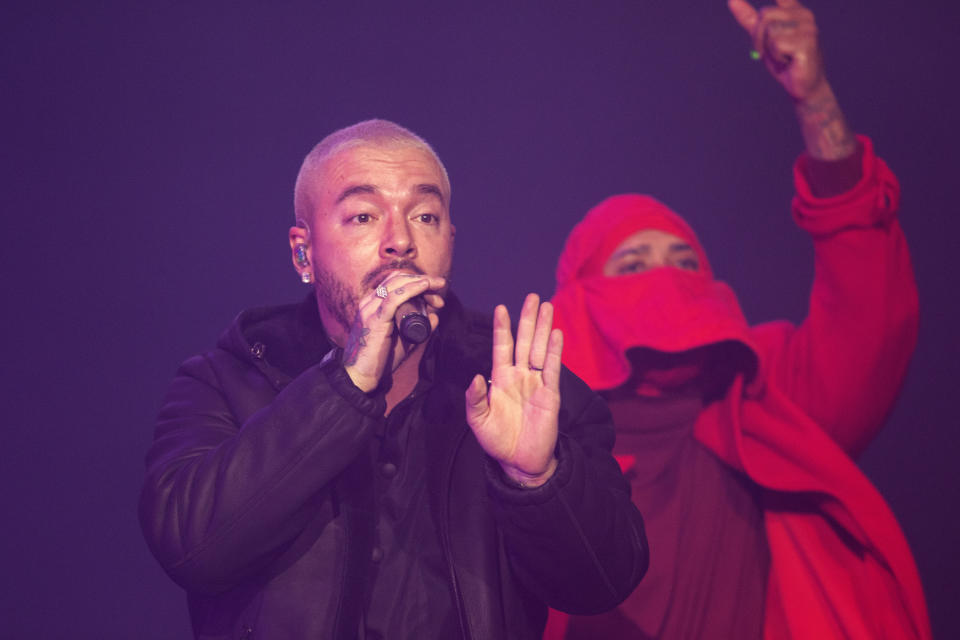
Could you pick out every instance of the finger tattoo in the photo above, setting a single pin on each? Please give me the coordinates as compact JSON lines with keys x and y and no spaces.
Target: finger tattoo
{"x":783,"y":24}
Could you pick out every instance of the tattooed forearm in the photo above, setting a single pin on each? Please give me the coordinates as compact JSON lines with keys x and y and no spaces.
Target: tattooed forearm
{"x":825,"y":130}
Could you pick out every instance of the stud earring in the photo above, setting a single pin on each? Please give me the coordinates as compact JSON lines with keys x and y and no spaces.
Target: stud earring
{"x":306,"y":277}
{"x":300,"y":255}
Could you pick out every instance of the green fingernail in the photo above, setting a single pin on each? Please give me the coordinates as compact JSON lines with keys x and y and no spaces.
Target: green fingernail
{"x":754,"y":54}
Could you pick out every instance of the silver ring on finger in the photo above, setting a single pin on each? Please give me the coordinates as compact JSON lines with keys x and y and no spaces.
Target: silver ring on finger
{"x":382,"y":291}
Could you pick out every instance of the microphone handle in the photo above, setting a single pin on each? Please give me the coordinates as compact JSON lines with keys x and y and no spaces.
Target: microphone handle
{"x":412,"y":321}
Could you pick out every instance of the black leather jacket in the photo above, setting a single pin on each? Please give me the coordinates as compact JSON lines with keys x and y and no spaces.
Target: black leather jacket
{"x":260,"y":478}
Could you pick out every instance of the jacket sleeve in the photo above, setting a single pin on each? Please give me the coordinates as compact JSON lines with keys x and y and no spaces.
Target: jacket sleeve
{"x":577,"y":541}
{"x":235,"y":466}
{"x":845,"y":364}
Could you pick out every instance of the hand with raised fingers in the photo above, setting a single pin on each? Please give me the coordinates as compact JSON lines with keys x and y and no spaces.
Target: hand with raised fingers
{"x":785,"y":36}
{"x":371,"y":341}
{"x":515,"y":417}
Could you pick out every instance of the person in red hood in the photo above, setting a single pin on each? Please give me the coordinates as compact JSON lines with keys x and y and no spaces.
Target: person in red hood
{"x":739,"y":440}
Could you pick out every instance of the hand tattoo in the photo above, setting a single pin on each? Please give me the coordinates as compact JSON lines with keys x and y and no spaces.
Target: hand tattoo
{"x":354,"y":343}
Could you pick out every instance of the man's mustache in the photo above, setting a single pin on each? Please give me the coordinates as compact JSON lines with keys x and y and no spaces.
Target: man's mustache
{"x":374,"y":277}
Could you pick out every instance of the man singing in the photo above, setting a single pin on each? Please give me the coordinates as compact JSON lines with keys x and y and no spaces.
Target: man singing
{"x":320,"y":475}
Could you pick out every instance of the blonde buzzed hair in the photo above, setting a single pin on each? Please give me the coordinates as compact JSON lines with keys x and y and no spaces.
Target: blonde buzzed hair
{"x":373,"y":132}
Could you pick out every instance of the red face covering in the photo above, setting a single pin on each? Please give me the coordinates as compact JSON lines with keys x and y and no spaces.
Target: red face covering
{"x":665,"y":309}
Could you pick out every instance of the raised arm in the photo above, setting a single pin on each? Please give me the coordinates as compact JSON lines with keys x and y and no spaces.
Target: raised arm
{"x":844,"y":365}
{"x":785,"y":38}
{"x":571,"y":532}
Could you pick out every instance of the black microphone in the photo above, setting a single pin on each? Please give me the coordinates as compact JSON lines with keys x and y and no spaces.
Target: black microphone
{"x":412,"y":321}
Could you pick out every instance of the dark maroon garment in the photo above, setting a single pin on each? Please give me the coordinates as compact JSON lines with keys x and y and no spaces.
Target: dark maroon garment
{"x":830,"y":178}
{"x":708,"y":553}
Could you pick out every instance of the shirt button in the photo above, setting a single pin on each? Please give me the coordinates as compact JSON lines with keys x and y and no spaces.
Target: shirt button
{"x":257,"y":350}
{"x":388,"y":469}
{"x":377,"y":554}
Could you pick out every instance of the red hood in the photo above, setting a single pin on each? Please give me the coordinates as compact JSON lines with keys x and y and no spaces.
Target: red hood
{"x":666,"y":309}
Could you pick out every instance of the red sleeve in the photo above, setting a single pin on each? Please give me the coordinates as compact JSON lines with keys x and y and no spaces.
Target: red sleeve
{"x":828,"y":178}
{"x":845,"y":364}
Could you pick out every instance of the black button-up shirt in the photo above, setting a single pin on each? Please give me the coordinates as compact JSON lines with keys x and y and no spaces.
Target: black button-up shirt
{"x":409,"y":592}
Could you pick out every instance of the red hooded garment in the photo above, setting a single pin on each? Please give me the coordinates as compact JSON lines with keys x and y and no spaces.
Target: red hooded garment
{"x":840,"y":568}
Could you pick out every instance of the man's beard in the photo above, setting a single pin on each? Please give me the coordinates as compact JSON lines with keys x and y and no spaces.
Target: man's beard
{"x":342,"y":303}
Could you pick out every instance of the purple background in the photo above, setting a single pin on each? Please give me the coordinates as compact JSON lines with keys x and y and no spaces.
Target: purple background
{"x":149,"y":152}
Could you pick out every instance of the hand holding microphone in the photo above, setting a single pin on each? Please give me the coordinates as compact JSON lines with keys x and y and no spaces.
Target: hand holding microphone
{"x":371,"y":340}
{"x":411,"y":316}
